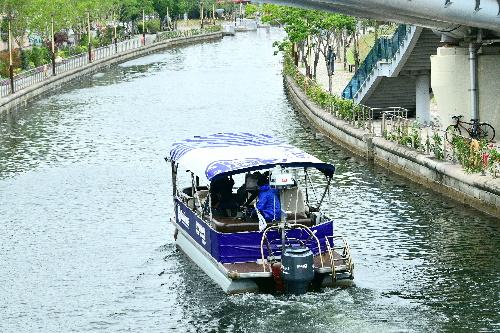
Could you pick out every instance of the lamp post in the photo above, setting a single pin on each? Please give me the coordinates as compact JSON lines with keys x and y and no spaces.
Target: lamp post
{"x":201,"y":14}
{"x":88,"y":35}
{"x":53,"y":48}
{"x":11,"y":67}
{"x":168,"y":21}
{"x":143,"y":28}
{"x":116,"y":42}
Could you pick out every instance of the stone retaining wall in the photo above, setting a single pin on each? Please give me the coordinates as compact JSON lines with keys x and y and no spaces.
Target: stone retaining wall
{"x":25,"y":95}
{"x":481,"y":192}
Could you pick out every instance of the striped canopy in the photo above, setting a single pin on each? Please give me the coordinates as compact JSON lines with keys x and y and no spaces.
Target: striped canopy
{"x":223,"y":154}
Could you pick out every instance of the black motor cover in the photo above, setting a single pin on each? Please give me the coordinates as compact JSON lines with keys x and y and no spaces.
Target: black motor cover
{"x":297,"y":269}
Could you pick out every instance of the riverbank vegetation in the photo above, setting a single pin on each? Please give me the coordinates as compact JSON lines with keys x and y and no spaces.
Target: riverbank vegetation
{"x":33,"y":25}
{"x":309,"y":33}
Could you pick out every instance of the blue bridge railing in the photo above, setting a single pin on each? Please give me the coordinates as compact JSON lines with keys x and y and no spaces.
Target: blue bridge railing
{"x":384,"y":49}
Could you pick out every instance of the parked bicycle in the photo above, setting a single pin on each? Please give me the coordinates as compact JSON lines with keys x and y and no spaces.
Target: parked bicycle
{"x":477,"y":130}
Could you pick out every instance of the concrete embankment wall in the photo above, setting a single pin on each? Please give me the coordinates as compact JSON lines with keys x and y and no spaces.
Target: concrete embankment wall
{"x":25,"y":95}
{"x":481,"y":192}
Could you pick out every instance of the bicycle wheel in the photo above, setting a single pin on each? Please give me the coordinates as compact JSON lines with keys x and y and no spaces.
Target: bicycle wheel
{"x":485,"y":132}
{"x":451,"y":131}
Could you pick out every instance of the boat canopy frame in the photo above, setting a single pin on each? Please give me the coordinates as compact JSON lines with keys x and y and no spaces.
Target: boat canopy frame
{"x":225,"y":154}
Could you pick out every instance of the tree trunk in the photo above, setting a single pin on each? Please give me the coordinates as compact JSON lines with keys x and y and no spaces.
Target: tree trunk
{"x":339,"y":42}
{"x":346,"y":46}
{"x":356,"y":51}
{"x":316,"y":60}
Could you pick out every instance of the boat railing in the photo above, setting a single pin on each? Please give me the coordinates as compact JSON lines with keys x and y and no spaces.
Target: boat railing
{"x":346,"y":257}
{"x":278,"y":250}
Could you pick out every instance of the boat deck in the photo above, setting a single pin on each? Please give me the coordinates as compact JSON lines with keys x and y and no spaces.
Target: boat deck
{"x":254,"y":267}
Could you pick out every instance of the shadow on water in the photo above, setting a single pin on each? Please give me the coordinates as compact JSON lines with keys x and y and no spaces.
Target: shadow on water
{"x":85,"y":202}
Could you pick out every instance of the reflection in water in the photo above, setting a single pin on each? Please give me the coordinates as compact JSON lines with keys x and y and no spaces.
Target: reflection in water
{"x":85,"y":201}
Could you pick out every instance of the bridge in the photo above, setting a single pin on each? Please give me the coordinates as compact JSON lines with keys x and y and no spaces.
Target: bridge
{"x":454,"y":56}
{"x":453,"y":17}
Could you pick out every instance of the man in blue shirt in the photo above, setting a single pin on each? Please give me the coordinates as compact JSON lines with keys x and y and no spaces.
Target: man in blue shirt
{"x":269,"y":203}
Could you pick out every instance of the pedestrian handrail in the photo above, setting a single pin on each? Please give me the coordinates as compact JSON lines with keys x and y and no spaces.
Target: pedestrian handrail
{"x":383,"y":50}
{"x":39,"y":74}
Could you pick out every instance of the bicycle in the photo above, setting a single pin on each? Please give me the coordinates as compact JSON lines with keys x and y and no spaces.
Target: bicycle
{"x":477,"y":130}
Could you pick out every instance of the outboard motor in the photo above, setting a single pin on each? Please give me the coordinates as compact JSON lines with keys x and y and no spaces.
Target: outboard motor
{"x":297,"y":269}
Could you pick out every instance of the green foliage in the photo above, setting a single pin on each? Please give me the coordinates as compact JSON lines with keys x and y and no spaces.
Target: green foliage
{"x":5,"y":61}
{"x":343,"y":108}
{"x":491,"y":161}
{"x":152,"y":26}
{"x":466,"y":155}
{"x":250,"y":10}
{"x":84,"y":41}
{"x":35,"y":57}
{"x":410,"y":136}
{"x":475,"y":157}
{"x":140,"y":28}
{"x":436,"y":146}
{"x":301,"y":23}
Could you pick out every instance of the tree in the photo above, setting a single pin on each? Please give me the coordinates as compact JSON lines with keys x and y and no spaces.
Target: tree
{"x":330,"y":26}
{"x":310,"y":32}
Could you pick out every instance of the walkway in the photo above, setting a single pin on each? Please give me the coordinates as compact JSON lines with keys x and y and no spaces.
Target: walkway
{"x":340,"y":77}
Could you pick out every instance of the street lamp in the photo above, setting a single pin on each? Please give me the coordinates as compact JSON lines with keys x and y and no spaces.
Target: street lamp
{"x":116,"y":42}
{"x":168,"y":20}
{"x":143,"y":28}
{"x":53,"y":48}
{"x":88,"y":35}
{"x":11,"y":67}
{"x":201,"y":14}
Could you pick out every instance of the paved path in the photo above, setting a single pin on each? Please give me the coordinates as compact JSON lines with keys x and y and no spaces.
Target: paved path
{"x":340,"y":77}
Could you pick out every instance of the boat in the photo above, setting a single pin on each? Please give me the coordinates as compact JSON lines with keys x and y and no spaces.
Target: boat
{"x":290,"y":246}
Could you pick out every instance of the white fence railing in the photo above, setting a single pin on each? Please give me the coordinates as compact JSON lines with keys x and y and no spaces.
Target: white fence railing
{"x":39,"y":74}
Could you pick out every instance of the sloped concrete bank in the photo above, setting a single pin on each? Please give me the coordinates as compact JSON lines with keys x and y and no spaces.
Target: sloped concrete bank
{"x":25,"y":95}
{"x":481,"y":192}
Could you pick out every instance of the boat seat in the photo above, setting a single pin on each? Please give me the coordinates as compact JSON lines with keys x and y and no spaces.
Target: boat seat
{"x":234,"y":224}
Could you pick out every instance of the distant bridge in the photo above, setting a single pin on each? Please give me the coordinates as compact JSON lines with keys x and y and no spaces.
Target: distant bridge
{"x":455,"y":18}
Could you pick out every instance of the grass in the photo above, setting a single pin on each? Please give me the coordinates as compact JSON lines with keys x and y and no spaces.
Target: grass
{"x":365,"y":44}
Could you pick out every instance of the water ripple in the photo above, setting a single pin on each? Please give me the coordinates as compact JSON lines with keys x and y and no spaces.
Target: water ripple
{"x":85,"y":202}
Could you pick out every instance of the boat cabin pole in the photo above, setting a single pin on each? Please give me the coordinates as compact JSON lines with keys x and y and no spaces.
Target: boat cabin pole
{"x":174,"y":179}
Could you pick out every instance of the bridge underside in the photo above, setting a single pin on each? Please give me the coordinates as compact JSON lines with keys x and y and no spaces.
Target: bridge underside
{"x":455,"y":18}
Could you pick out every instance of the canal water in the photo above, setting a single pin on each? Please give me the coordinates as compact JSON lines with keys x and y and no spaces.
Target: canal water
{"x":85,"y":202}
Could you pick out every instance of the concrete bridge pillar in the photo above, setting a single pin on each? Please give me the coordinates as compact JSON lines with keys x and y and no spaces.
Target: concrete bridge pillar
{"x":422,"y":99}
{"x":450,"y":81}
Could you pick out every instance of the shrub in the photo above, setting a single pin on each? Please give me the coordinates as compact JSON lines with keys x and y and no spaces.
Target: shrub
{"x":5,"y":62}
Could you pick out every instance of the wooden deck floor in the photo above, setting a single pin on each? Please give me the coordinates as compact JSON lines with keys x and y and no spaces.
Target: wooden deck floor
{"x":251,"y":267}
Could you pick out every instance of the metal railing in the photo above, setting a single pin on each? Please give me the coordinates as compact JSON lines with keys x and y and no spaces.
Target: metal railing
{"x":440,"y":144}
{"x":39,"y":74}
{"x":360,"y":116}
{"x":383,"y":50}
